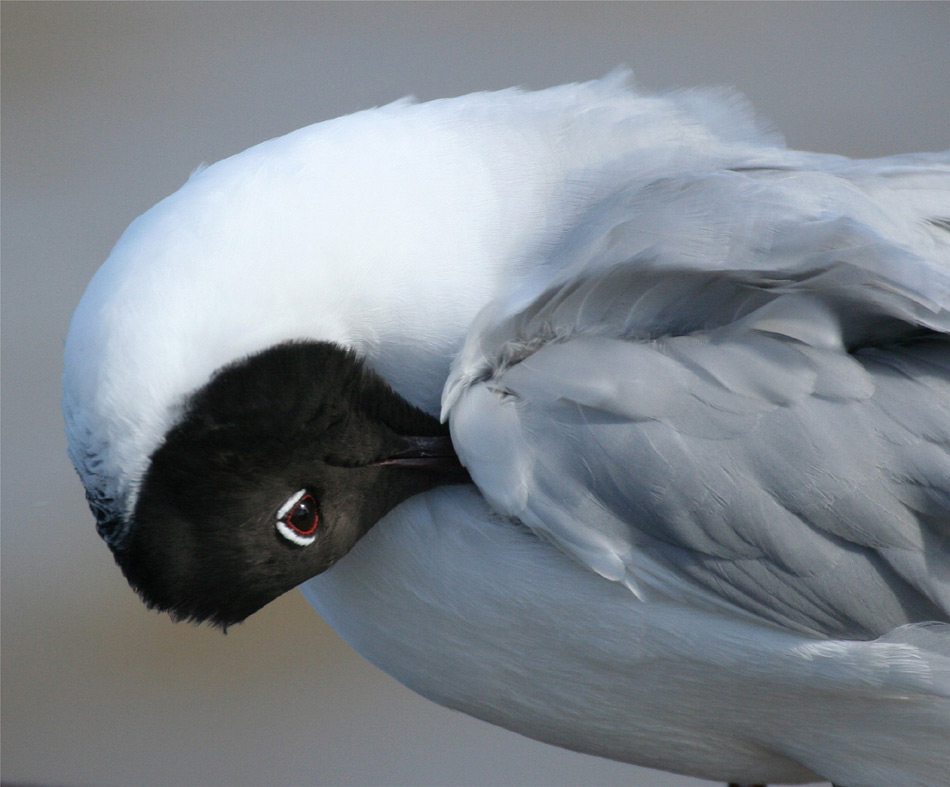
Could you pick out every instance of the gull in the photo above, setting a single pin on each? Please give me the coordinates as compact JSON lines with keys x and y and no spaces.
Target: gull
{"x":597,"y":415}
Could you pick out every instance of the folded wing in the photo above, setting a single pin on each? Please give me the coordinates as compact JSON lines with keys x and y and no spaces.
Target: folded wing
{"x":732,"y":389}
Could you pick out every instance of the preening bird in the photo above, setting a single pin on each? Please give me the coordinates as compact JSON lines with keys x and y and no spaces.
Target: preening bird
{"x":600,"y":416}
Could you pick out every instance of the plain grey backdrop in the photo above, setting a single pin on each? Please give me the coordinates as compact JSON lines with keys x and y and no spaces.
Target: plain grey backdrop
{"x":107,"y":107}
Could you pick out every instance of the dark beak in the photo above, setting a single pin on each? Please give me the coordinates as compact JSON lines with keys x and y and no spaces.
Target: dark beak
{"x":433,"y":454}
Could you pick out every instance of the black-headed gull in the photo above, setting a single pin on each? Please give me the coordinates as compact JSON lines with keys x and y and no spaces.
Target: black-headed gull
{"x":698,"y":386}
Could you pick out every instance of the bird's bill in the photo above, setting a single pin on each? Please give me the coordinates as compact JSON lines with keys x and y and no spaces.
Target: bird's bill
{"x":432,"y":453}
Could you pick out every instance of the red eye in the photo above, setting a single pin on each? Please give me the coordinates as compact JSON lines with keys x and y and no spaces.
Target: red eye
{"x":303,"y":517}
{"x":297,"y":518}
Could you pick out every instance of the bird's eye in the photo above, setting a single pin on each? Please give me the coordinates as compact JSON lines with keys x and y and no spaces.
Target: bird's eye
{"x":297,"y":518}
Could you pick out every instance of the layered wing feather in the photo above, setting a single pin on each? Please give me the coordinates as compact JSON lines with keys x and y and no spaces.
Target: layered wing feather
{"x":732,"y":388}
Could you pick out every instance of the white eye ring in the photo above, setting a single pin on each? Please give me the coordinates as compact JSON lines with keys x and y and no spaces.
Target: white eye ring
{"x":290,"y":535}
{"x":284,"y":529}
{"x":291,"y":502}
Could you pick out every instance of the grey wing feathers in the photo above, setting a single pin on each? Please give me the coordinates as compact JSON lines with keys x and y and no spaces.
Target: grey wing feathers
{"x":753,"y":413}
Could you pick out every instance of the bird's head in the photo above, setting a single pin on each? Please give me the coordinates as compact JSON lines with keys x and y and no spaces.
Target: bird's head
{"x":230,"y":447}
{"x":223,"y":471}
{"x":274,"y":470}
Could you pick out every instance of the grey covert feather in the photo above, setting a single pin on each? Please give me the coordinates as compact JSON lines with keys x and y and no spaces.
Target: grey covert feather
{"x":777,"y":432}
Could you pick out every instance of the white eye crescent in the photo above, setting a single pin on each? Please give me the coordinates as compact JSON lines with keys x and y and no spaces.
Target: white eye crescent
{"x":297,"y":518}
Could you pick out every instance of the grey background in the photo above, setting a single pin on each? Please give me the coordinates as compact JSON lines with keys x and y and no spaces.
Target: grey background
{"x":106,"y":109}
